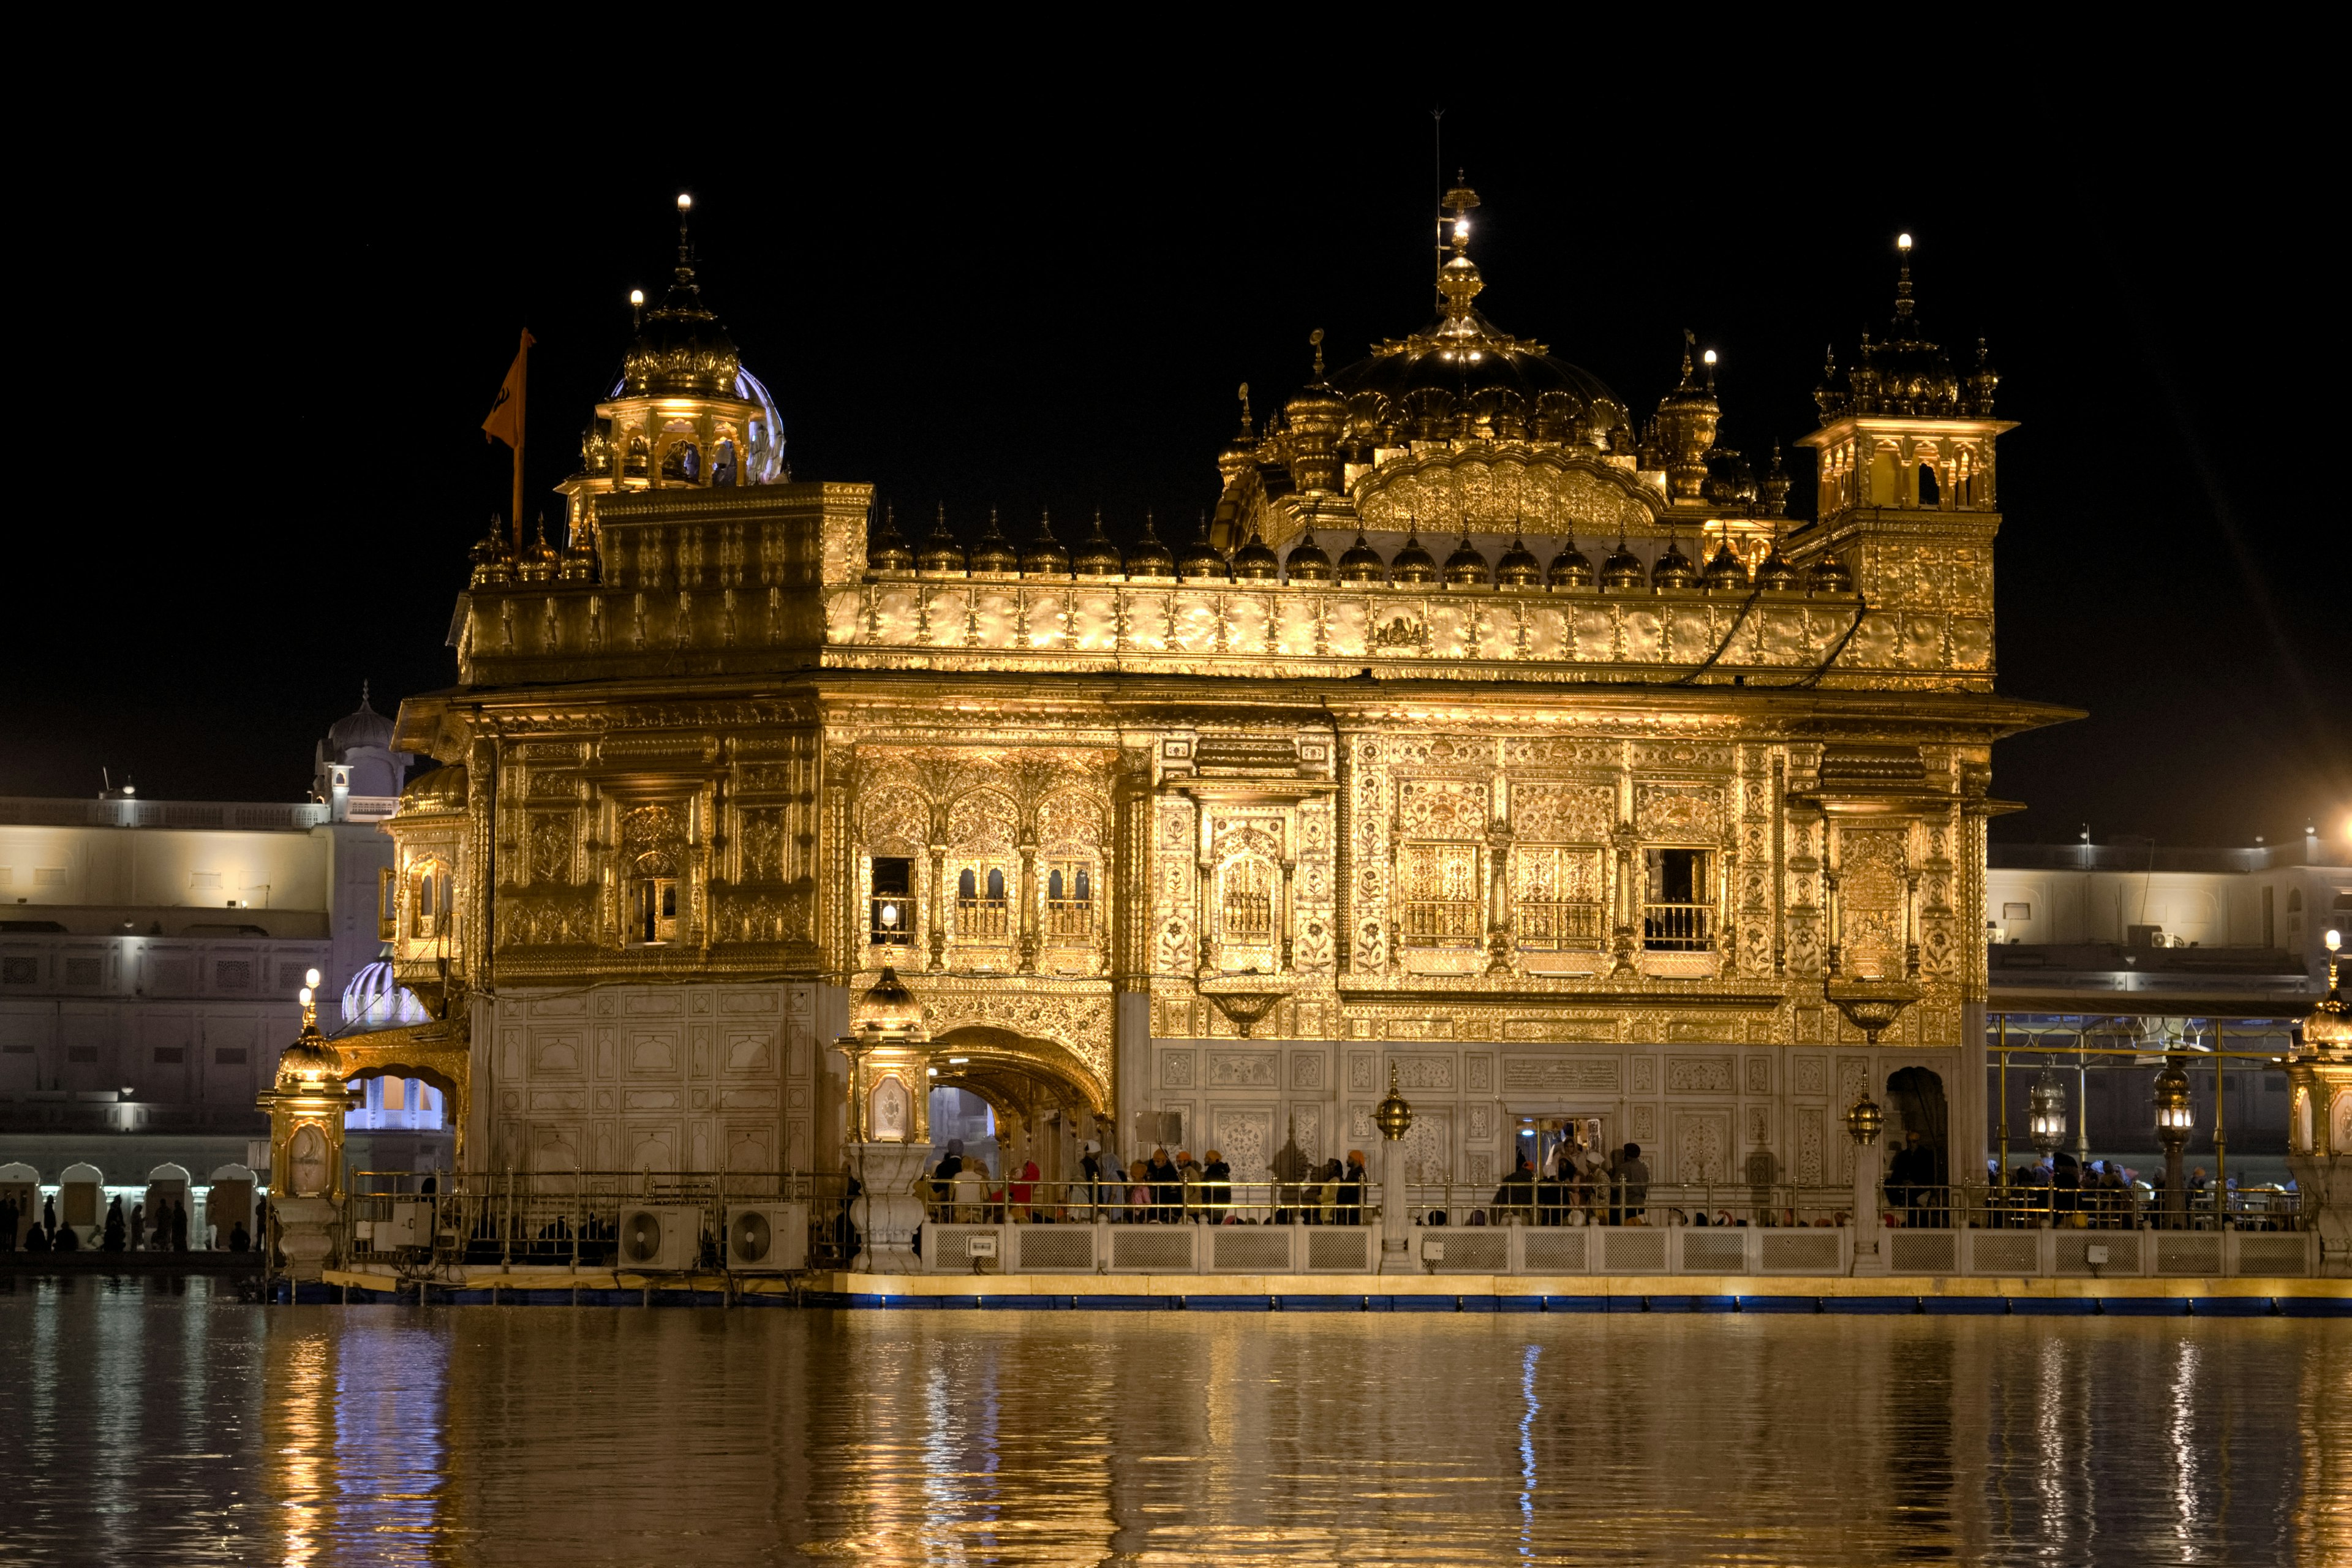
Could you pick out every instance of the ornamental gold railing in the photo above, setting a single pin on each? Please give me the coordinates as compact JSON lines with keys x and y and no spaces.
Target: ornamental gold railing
{"x":1547,"y":924}
{"x":1677,"y":928}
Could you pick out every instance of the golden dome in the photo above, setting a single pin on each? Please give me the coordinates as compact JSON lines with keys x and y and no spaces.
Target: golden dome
{"x":1775,"y":575}
{"x":1362,"y":563}
{"x":1466,"y":567}
{"x":1674,"y":570}
{"x":680,"y":349}
{"x":1623,"y":570}
{"x":888,"y":551}
{"x":888,"y":1009}
{"x":1096,"y":556}
{"x":1254,"y":563}
{"x":1151,"y":558}
{"x":1829,"y":575}
{"x":309,"y":1064}
{"x":2327,"y":1027}
{"x":1306,"y":562}
{"x":1201,"y":559}
{"x":493,"y":558}
{"x":537,"y":564}
{"x":1571,"y":568}
{"x":995,"y":553}
{"x":441,"y":789}
{"x":1727,"y":573}
{"x":940,"y":552}
{"x":578,"y":563}
{"x":1412,"y":564}
{"x":1044,"y":556}
{"x":1518,"y":568}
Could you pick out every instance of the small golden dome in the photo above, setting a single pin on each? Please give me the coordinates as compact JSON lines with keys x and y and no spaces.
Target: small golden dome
{"x":941,"y":552}
{"x":1200,"y":559}
{"x":1362,"y":563}
{"x":1254,"y":563}
{"x":1674,"y":570}
{"x":440,"y":789}
{"x":1518,"y":568}
{"x":537,"y":564}
{"x":1466,"y":567}
{"x":1829,"y":575}
{"x":1044,"y":556}
{"x":888,"y":1009}
{"x":1412,"y":564}
{"x":1151,"y":558}
{"x":309,"y":1064}
{"x":2327,"y":1027}
{"x":1775,"y":575}
{"x":1306,"y":563}
{"x":888,"y":552}
{"x":1571,"y":568}
{"x":578,"y":563}
{"x":1623,"y":571}
{"x":1096,"y":556}
{"x":995,"y":553}
{"x":1727,"y":573}
{"x":493,"y":558}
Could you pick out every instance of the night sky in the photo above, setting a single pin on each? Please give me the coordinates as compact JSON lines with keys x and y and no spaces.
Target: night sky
{"x":1029,"y":304}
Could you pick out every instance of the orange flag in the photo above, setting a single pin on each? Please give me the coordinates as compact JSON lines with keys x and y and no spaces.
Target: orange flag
{"x":505,"y":423}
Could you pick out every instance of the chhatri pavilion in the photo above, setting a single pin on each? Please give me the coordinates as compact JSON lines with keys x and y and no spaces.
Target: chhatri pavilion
{"x":1491,"y":734}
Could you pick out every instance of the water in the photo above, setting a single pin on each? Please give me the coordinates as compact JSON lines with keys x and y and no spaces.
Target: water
{"x":150,"y":1421}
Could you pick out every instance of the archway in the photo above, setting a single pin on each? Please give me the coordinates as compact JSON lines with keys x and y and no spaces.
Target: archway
{"x":1045,"y":1099}
{"x":1915,"y":1103}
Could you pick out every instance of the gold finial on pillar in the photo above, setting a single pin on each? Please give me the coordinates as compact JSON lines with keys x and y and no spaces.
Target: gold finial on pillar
{"x":1393,"y":1115}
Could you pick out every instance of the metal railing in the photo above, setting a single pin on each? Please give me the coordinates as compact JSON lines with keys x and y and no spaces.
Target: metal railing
{"x":970,"y":1198}
{"x":1677,"y":928}
{"x":1067,"y":918}
{"x":1546,"y":924}
{"x":981,"y":919}
{"x":894,"y":931}
{"x":1443,"y":921}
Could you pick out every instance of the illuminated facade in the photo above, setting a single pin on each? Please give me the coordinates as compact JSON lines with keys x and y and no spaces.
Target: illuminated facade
{"x":1483,"y":734}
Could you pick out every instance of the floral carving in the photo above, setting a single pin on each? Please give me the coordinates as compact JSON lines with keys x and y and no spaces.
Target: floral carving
{"x":1563,"y":813}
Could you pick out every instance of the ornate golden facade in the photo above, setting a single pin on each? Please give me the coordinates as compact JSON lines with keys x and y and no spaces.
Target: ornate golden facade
{"x":1485,"y":738}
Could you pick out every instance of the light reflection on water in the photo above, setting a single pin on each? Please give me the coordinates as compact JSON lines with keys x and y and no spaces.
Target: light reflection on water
{"x":141,"y":1421}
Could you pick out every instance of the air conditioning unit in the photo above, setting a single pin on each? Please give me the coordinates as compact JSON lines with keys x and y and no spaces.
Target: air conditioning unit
{"x":767,"y":1239}
{"x":659,"y":1240}
{"x":411,"y":1225}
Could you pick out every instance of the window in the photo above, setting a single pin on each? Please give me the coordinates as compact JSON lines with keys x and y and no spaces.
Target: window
{"x":981,"y":907}
{"x":1930,"y":494}
{"x":232,"y":974}
{"x":722,"y":464}
{"x":1677,"y":910}
{"x":652,"y":910}
{"x":170,"y":1056}
{"x":1442,"y":904}
{"x":633,"y":461}
{"x":20,"y":971}
{"x":429,"y":896}
{"x":1245,"y":903}
{"x":682,"y":463}
{"x":228,"y":1056}
{"x":2012,"y":913}
{"x":81,"y":1053}
{"x":1069,"y":899}
{"x":2270,"y":925}
{"x":890,"y":911}
{"x":1556,"y":895}
{"x":387,"y":905}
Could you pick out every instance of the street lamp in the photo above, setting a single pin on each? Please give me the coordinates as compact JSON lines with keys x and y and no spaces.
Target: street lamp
{"x":2173,"y":1116}
{"x":1864,"y":1120}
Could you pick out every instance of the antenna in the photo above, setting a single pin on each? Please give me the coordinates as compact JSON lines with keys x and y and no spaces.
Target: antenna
{"x":1437,"y":187}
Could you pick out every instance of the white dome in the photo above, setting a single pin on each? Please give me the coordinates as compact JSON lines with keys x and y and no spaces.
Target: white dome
{"x":376,"y":1000}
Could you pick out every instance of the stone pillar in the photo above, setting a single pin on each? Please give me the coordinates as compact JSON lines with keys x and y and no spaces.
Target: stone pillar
{"x":890,"y":1122}
{"x":1863,"y":1122}
{"x":307,"y":1104}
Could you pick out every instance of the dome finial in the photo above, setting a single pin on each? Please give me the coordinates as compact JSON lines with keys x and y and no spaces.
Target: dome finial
{"x":1246,"y":412}
{"x":1315,"y":341}
{"x":685,"y":249}
{"x":1903,"y":278}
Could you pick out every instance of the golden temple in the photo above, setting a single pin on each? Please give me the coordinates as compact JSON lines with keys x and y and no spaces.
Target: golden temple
{"x":1480,"y":733}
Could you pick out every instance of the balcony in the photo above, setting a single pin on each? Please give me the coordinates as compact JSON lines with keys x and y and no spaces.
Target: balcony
{"x":1678,"y":928}
{"x":1548,"y":926}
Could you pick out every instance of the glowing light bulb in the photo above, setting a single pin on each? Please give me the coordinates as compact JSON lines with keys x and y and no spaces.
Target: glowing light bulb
{"x":311,"y":977}
{"x":636,"y":295}
{"x":1708,"y":356}
{"x":1901,"y":241}
{"x":303,"y":995}
{"x":2335,"y":941}
{"x":685,"y":203}
{"x":889,"y":915}
{"x":1461,"y":228}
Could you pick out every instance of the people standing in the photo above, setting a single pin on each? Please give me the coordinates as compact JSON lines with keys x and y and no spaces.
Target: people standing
{"x":1632,"y":1184}
{"x":1166,"y":1186}
{"x":1217,"y":1188}
{"x":138,"y":1227}
{"x":1090,"y":1168}
{"x":117,"y":1231}
{"x":179,"y":1225}
{"x":1352,"y":1182}
{"x":8,"y":1225}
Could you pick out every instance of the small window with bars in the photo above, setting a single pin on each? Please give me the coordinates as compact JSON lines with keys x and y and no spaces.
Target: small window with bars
{"x":1678,"y":913}
{"x":1443,"y":905}
{"x":429,"y":899}
{"x":1245,"y":903}
{"x":1556,"y":897}
{"x":982,"y":911}
{"x":890,"y":909}
{"x":1069,"y":900}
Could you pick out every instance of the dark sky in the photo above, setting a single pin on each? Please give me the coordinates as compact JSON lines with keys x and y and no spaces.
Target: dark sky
{"x":1021,"y":301}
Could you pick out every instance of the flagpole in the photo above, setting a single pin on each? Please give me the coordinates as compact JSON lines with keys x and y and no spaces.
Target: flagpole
{"x":522,"y":384}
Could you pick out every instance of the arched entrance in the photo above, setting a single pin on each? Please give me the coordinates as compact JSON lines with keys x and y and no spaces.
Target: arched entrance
{"x":1916,"y":1104}
{"x":1046,"y":1100}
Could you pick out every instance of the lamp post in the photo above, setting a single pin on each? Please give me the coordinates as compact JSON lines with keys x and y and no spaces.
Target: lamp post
{"x":1393,"y":1117}
{"x":1863,"y":1121}
{"x":2173,"y":1114}
{"x":890,"y":1124}
{"x":307,"y":1102}
{"x":2046,"y":1112}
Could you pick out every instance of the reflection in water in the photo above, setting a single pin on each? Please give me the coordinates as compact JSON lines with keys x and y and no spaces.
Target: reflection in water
{"x":179,"y":1426}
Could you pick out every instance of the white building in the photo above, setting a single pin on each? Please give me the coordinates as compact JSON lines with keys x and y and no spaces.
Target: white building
{"x":151,"y":951}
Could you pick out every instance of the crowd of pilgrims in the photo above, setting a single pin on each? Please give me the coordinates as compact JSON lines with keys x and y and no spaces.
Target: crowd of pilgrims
{"x":120,"y":1233}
